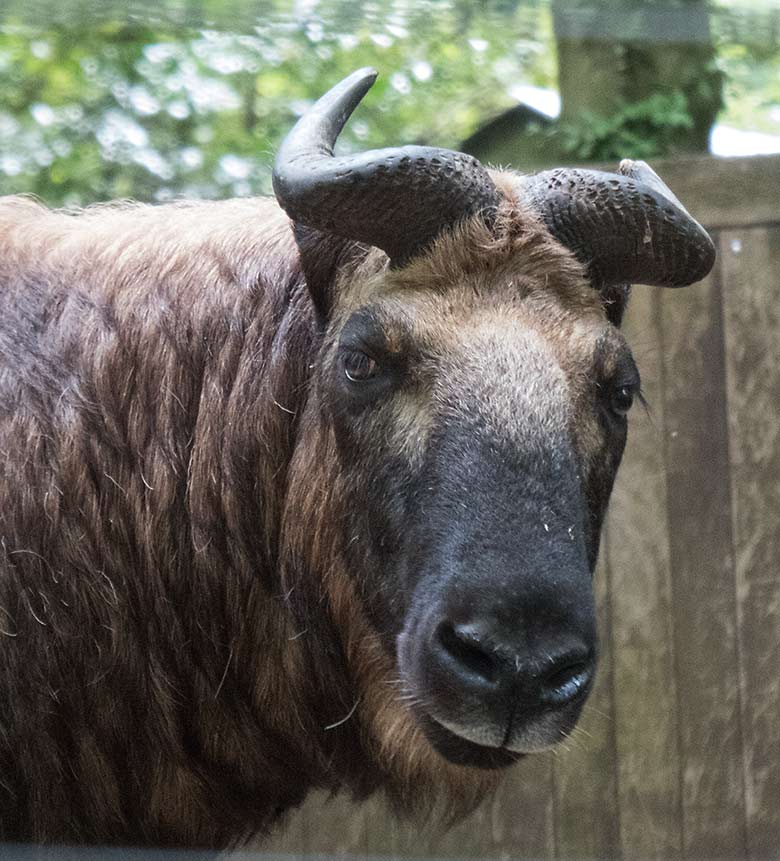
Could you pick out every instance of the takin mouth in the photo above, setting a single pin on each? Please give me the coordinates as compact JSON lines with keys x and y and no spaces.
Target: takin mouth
{"x":461,"y":751}
{"x":457,"y":749}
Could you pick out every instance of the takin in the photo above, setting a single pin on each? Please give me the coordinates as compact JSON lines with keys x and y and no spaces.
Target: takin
{"x":307,"y":493}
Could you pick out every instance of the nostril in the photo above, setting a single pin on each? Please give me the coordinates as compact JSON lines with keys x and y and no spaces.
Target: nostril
{"x":466,"y":652}
{"x":566,"y":680}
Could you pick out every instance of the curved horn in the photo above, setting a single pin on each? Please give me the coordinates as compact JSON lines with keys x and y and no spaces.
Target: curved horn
{"x":628,"y":227}
{"x":398,"y":199}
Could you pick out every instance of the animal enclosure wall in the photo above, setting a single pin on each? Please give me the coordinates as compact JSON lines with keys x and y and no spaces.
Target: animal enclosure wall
{"x":679,"y":748}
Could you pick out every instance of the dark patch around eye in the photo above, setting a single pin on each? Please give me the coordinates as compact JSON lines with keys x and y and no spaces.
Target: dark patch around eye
{"x":613,"y":363}
{"x":386,"y":340}
{"x":618,"y":381}
{"x":365,"y":370}
{"x":364,"y":332}
{"x":625,"y":374}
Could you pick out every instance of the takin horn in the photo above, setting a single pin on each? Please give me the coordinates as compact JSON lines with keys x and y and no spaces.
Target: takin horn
{"x":625,"y":227}
{"x":398,"y":199}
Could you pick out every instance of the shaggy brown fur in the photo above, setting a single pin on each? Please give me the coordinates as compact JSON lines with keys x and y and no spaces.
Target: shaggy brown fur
{"x":183,"y":651}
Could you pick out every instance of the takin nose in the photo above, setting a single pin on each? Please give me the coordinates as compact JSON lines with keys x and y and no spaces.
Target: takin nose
{"x":480,"y":663}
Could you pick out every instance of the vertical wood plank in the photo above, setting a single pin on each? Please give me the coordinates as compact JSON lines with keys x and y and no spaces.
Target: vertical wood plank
{"x":289,"y":838}
{"x":389,"y":837}
{"x":646,"y":727}
{"x":586,"y":811}
{"x":521,"y":816}
{"x":751,"y":264}
{"x":335,"y":827}
{"x":704,"y":602}
{"x":382,"y":833}
{"x":322,"y":825}
{"x":516,"y":822}
{"x":467,"y":839}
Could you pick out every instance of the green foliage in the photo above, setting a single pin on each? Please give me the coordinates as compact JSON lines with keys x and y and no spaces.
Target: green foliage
{"x":103,"y":110}
{"x":749,"y":59}
{"x":192,"y":98}
{"x":645,"y":129}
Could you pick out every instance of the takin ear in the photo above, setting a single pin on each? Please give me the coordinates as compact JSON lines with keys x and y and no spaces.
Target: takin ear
{"x":614,"y":297}
{"x":323,"y":257}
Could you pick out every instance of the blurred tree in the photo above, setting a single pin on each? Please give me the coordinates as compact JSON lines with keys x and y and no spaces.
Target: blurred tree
{"x":100,"y":100}
{"x":104,"y":108}
{"x":638,"y":77}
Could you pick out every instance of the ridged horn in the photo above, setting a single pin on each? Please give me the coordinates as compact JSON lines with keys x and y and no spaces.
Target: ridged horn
{"x":398,"y":199}
{"x":627,"y":227}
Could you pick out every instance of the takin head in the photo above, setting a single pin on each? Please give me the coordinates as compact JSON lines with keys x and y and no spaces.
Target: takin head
{"x":470,"y":406}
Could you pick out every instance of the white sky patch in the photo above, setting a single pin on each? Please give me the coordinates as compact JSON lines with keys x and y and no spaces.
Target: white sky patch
{"x":225,"y":62}
{"x":400,"y":82}
{"x":398,"y":31}
{"x":547,"y":102}
{"x":422,"y":70}
{"x":235,"y":167}
{"x":40,"y":49}
{"x":11,"y":165}
{"x":43,"y":114}
{"x":89,"y":66}
{"x":360,"y":129}
{"x":726,"y":140}
{"x":120,"y":129}
{"x":153,"y":162}
{"x":208,"y":96}
{"x":160,"y":52}
{"x":61,"y":148}
{"x":299,"y":106}
{"x":179,"y":110}
{"x":303,"y":8}
{"x":72,"y":113}
{"x":347,"y":41}
{"x":191,"y":157}
{"x":315,"y":32}
{"x":143,"y":102}
{"x":43,"y":157}
{"x":8,"y":126}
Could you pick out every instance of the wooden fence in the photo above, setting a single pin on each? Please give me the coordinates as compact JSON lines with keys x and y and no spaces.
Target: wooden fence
{"x":679,"y":753}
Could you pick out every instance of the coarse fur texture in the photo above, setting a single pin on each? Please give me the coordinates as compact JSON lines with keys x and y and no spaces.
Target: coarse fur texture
{"x":190,"y":638}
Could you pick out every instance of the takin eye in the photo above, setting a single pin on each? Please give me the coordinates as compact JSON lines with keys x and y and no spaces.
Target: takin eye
{"x":359,"y":366}
{"x":622,"y":399}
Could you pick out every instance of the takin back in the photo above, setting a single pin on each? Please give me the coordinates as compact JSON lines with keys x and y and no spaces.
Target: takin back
{"x":308,"y":494}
